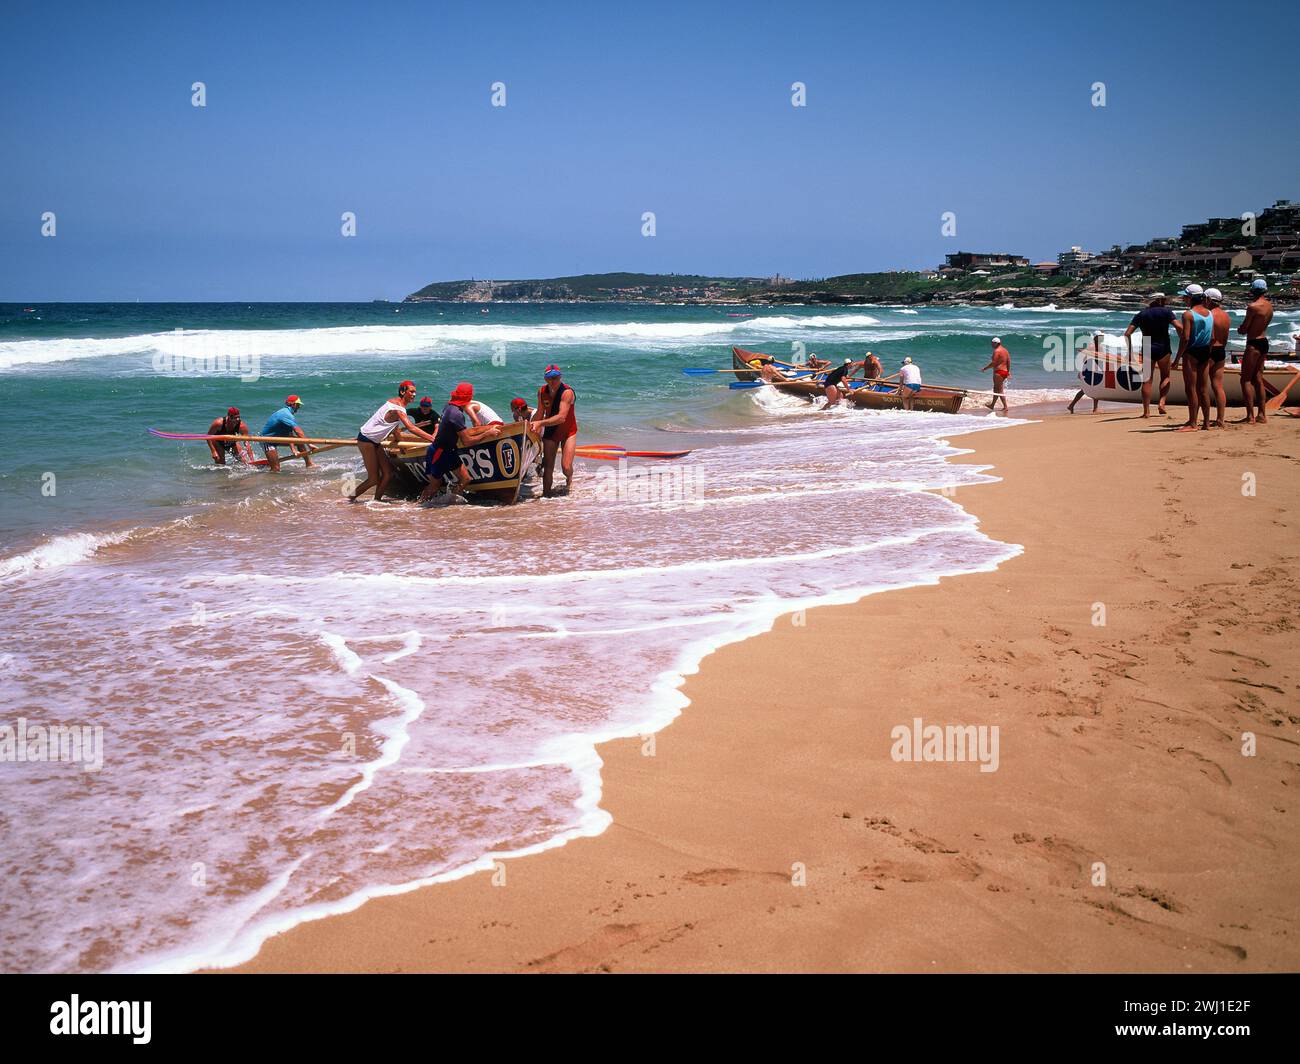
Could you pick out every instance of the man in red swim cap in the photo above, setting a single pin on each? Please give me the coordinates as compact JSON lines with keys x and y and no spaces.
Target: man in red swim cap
{"x":454,"y":430}
{"x":230,"y":425}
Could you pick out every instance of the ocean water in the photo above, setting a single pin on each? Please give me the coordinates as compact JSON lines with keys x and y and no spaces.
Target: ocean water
{"x":305,"y":704}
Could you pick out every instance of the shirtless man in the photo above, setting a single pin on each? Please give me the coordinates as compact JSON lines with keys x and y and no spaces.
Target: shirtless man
{"x":871,"y":367}
{"x":230,"y":425}
{"x":1153,"y":323}
{"x":1000,"y":363}
{"x":1255,"y":329}
{"x":1218,"y":352}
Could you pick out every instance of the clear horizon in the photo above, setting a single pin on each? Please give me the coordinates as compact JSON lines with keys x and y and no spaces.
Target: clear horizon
{"x":683,"y":110}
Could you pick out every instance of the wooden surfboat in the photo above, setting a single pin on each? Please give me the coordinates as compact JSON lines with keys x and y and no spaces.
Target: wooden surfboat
{"x":1113,"y":378}
{"x":867,"y":395}
{"x":497,"y":468}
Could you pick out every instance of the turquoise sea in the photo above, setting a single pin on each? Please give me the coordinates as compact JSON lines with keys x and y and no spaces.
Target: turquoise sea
{"x":304,"y":704}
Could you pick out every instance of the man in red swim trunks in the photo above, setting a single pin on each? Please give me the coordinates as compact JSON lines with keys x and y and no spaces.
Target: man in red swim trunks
{"x":1000,"y":363}
{"x":558,"y":423}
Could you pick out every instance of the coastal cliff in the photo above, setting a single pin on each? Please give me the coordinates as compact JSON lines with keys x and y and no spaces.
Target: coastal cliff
{"x":1020,"y":287}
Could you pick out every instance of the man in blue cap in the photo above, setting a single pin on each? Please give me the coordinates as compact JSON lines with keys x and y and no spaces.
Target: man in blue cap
{"x":1255,"y":329}
{"x":556,"y":418}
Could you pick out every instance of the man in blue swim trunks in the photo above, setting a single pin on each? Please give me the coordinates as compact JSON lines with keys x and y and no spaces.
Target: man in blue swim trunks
{"x":454,"y":430}
{"x":284,"y":423}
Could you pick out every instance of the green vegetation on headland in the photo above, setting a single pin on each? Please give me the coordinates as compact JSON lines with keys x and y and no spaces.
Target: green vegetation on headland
{"x":909,"y":288}
{"x":1227,"y":252}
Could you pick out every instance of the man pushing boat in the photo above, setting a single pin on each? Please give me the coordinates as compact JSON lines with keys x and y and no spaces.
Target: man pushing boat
{"x":230,"y":425}
{"x":454,"y":430}
{"x":374,"y":433}
{"x":556,"y":418}
{"x":285,"y":423}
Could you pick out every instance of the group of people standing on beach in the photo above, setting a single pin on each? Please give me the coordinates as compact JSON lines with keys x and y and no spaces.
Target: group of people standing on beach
{"x":1202,"y":329}
{"x":463,"y":422}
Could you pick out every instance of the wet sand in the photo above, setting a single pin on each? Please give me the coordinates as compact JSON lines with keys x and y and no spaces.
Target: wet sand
{"x":768,"y":828}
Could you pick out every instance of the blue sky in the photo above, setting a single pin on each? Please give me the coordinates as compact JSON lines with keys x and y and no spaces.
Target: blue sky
{"x":612,"y":110}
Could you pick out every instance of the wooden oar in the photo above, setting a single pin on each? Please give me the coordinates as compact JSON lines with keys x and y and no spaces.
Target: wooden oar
{"x":189,"y":437}
{"x":1277,"y":401}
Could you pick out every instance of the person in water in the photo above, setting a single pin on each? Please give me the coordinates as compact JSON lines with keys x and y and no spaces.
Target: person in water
{"x":1000,"y":363}
{"x":230,"y":425}
{"x":834,"y":381}
{"x":1218,"y":354}
{"x":1259,"y":313}
{"x":284,"y":422}
{"x":370,"y":441}
{"x":454,"y":430}
{"x":556,"y":418}
{"x":1153,"y":323}
{"x":872,"y":368}
{"x":423,"y":415}
{"x":481,"y":414}
{"x":909,"y":381}
{"x":1194,"y":339}
{"x":1097,"y":353}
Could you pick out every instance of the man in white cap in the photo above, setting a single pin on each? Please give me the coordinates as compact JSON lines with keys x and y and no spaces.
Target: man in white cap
{"x":1153,"y":323}
{"x":834,"y":381}
{"x":1259,"y":313}
{"x":909,"y":381}
{"x":1000,"y":363}
{"x":1194,"y":339}
{"x":1218,"y":352}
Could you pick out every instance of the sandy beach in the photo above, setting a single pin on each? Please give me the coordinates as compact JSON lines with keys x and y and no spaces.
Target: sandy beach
{"x":1127,"y":827}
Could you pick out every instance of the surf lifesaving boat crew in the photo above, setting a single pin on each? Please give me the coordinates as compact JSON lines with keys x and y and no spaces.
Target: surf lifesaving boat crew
{"x":1218,"y":354}
{"x":1259,"y":313}
{"x":909,"y":381}
{"x":871,"y":367}
{"x":370,"y":440}
{"x":454,"y":430}
{"x":230,"y":425}
{"x":284,"y":423}
{"x":480,"y":413}
{"x":1000,"y":363}
{"x":556,"y":417}
{"x":835,"y":388}
{"x":1153,"y":323}
{"x":1194,"y":340}
{"x":424,"y":414}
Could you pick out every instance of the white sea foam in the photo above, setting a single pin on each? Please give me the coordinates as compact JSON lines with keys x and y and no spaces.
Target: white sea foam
{"x":223,"y":345}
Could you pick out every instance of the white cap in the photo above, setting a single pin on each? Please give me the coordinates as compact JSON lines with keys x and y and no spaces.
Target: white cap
{"x":848,"y":361}
{"x":1213,"y":293}
{"x":997,"y":339}
{"x":1259,"y":283}
{"x":907,"y":360}
{"x":1192,"y":290}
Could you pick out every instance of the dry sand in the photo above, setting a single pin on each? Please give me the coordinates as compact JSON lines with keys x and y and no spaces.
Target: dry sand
{"x":1120,"y":746}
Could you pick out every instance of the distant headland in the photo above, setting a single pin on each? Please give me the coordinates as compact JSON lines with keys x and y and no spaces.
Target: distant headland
{"x":1232,"y":251}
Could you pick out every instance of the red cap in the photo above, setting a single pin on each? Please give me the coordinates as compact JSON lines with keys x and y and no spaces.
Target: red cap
{"x":425,"y":401}
{"x":462,"y":394}
{"x":233,"y":412}
{"x":517,"y":403}
{"x":291,"y":400}
{"x":406,"y":384}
